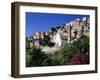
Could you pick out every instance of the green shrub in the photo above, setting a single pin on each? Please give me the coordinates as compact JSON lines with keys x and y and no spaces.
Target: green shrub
{"x":60,"y":57}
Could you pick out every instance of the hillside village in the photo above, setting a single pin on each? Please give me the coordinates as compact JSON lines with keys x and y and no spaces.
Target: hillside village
{"x":57,"y":36}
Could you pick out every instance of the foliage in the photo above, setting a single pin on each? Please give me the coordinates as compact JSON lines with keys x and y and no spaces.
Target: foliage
{"x":82,"y":44}
{"x":51,"y":44}
{"x":38,"y":58}
{"x":79,"y":58}
{"x":72,"y":53}
{"x":53,"y":29}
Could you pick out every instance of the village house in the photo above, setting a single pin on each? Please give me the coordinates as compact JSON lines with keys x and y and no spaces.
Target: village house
{"x":36,"y":38}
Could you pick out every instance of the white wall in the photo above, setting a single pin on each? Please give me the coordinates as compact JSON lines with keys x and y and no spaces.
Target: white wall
{"x":5,"y":40}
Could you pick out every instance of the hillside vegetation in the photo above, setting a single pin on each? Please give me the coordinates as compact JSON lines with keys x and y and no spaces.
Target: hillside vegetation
{"x":73,"y":53}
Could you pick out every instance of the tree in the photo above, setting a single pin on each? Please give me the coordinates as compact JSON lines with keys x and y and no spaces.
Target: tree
{"x":53,"y":29}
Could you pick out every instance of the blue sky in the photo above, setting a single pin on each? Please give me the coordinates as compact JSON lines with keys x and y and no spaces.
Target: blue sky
{"x":41,"y":22}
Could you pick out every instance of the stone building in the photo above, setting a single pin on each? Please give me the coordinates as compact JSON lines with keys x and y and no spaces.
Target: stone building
{"x":36,"y":38}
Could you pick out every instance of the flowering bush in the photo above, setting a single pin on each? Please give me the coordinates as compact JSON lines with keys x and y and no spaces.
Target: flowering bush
{"x":79,"y":58}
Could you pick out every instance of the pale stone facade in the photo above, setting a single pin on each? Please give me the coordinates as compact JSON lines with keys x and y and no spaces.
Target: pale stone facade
{"x":36,"y":39}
